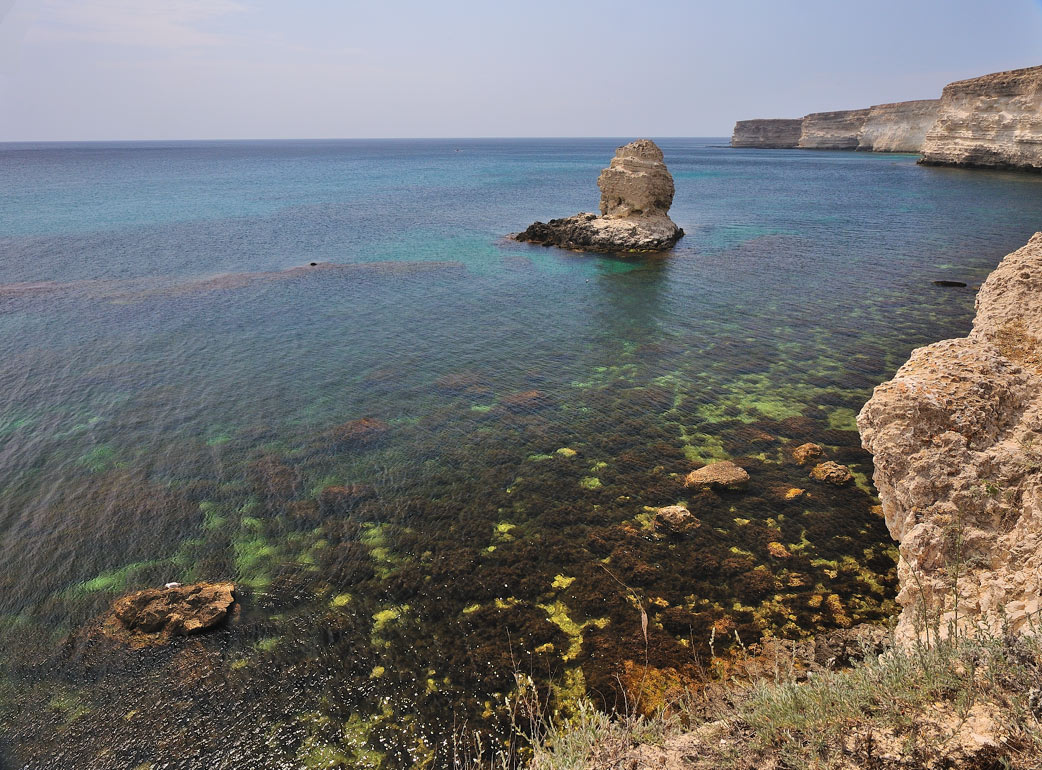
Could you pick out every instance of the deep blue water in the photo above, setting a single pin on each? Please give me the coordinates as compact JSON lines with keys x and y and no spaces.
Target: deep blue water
{"x":172,"y":368}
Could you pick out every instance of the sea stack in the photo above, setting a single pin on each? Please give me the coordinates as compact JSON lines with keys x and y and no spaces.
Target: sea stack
{"x":636,"y":193}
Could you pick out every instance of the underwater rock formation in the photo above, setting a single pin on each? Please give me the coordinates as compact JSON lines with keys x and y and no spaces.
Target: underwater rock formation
{"x":804,"y":453}
{"x":636,"y":193}
{"x":767,"y":134}
{"x":837,"y":130}
{"x":675,"y":519}
{"x":154,"y":615}
{"x":992,"y":121}
{"x":958,"y":464}
{"x":832,"y":473}
{"x":718,"y":475}
{"x":898,"y":127}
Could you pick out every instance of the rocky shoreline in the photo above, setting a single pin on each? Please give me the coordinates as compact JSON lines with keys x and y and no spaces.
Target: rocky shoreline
{"x":992,"y":121}
{"x":958,"y":465}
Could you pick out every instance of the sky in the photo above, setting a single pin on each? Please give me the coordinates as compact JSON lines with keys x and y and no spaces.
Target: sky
{"x":256,"y":69}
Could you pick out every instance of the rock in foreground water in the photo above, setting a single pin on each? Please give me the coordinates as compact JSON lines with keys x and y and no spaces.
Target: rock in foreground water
{"x":636,"y":193}
{"x":156,"y":614}
{"x":719,"y":475}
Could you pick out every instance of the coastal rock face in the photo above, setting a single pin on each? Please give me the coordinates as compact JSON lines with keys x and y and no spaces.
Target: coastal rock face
{"x":832,"y":130}
{"x":992,"y":121}
{"x":773,"y":133}
{"x":636,"y":193}
{"x":154,"y":615}
{"x":898,"y":127}
{"x":957,"y":440}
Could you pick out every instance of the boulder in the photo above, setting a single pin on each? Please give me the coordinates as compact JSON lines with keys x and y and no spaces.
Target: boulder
{"x":832,"y":473}
{"x":636,"y":193}
{"x":155,"y":615}
{"x":718,"y":475}
{"x":804,"y":453}
{"x":675,"y":519}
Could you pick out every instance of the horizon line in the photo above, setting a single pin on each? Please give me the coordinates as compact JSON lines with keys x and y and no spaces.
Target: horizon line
{"x":350,"y":139}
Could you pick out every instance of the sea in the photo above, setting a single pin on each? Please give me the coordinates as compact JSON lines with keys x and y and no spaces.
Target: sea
{"x":430,"y":457}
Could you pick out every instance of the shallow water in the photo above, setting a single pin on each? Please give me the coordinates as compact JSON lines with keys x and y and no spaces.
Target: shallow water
{"x":173,"y":373}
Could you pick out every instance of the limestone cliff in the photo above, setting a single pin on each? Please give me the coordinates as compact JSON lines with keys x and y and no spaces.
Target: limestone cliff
{"x":636,"y":193}
{"x":898,"y":127}
{"x":832,"y":130}
{"x":957,"y":440}
{"x":992,"y":121}
{"x":774,"y":133}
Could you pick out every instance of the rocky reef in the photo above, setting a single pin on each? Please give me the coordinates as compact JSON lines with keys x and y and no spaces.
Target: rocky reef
{"x":636,"y":193}
{"x":837,"y":130}
{"x":958,"y":464}
{"x":992,"y":121}
{"x":898,"y":127}
{"x":769,"y":134}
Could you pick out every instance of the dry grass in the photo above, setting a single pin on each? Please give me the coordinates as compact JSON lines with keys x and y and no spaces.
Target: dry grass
{"x":971,"y":702}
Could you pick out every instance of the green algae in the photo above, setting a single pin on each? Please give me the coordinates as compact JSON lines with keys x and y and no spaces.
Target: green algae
{"x":590,"y":482}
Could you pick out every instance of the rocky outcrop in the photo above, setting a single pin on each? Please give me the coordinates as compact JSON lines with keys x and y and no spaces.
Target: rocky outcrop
{"x":898,"y":127}
{"x":636,"y":193}
{"x":957,"y":440}
{"x":993,"y":121}
{"x":155,"y":615}
{"x":773,"y":133}
{"x":832,"y":130}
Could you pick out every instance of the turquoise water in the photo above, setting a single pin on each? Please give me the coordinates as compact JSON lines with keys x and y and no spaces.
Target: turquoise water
{"x":174,"y":372}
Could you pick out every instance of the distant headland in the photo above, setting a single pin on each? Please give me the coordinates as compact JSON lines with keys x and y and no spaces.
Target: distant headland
{"x":992,"y":121}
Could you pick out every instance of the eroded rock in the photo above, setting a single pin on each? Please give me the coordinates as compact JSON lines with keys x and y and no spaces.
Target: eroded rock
{"x":675,"y":519}
{"x":719,"y":475}
{"x":636,"y":193}
{"x":832,"y":473}
{"x":958,"y":464}
{"x":805,"y":453}
{"x":155,"y":615}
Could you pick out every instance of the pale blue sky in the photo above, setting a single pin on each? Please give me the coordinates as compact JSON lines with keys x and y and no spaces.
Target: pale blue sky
{"x":163,"y":69}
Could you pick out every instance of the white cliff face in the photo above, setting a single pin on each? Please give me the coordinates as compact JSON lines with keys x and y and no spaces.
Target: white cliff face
{"x":993,"y":121}
{"x":773,"y":133}
{"x":898,"y":127}
{"x":832,"y":130}
{"x":957,"y":441}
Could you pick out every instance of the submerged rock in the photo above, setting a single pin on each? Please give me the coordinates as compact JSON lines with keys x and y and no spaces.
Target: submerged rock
{"x":676,"y":519}
{"x":832,"y":473}
{"x":362,"y":432}
{"x":154,"y":615}
{"x":804,"y":453}
{"x":718,"y":475}
{"x":636,"y":193}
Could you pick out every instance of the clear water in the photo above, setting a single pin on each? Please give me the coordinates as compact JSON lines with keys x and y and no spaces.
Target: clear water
{"x":173,"y":372}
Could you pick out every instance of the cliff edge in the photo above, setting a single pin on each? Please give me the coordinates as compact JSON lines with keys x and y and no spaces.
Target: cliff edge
{"x":898,"y":127}
{"x":636,"y":193}
{"x":768,"y":134}
{"x":994,"y":121}
{"x":957,"y":441}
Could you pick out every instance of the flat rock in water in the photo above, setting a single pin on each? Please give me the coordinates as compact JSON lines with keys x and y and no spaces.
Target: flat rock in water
{"x":155,"y":615}
{"x":719,"y":475}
